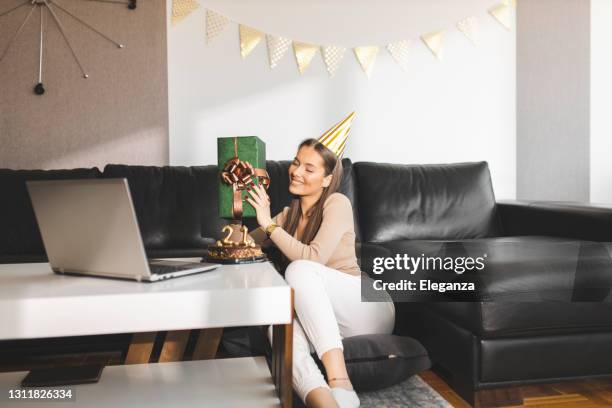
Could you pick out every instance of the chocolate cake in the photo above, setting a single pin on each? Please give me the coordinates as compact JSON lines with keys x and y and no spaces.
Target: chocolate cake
{"x":237,"y":246}
{"x":222,"y":252}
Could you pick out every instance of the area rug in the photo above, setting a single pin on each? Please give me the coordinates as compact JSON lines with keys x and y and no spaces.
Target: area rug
{"x":413,"y":393}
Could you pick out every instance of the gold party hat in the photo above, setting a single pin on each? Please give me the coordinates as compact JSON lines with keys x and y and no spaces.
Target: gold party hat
{"x":335,"y":138}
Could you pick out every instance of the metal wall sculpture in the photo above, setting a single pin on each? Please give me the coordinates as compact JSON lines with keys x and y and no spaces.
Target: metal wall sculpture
{"x":52,"y":6}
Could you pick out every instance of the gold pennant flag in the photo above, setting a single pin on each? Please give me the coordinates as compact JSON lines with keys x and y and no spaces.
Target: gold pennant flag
{"x":304,"y":53}
{"x":249,"y":39}
{"x":366,"y":57}
{"x":433,"y":41}
{"x":182,"y":8}
{"x":332,"y":56}
{"x":215,"y":24}
{"x":400,"y":51}
{"x":469,"y":27}
{"x":502,"y":13}
{"x":277,"y":46}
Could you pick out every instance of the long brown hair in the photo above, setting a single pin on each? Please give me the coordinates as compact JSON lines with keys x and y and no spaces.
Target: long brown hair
{"x":333,"y":165}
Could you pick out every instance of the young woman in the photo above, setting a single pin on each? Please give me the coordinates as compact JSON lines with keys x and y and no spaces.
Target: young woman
{"x":316,"y":234}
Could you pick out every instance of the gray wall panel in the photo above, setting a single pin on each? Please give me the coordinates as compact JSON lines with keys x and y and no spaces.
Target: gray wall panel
{"x":553,"y":99}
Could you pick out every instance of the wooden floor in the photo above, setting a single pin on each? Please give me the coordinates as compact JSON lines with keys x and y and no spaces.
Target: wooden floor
{"x":574,"y":394}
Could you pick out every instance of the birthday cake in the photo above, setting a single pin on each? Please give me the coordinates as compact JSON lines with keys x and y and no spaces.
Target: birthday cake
{"x":236,"y":246}
{"x":234,"y":252}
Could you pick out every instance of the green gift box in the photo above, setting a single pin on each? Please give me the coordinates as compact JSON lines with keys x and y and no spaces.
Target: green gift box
{"x":238,"y":150}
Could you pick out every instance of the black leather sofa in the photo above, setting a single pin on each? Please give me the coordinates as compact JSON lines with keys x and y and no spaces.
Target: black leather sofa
{"x":476,"y":346}
{"x":498,"y":341}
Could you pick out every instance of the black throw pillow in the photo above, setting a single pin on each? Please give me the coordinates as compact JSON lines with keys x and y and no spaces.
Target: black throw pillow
{"x":376,"y":361}
{"x":373,"y":361}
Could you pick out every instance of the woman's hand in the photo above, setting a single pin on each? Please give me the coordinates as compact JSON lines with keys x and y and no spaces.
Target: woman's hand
{"x":260,"y":200}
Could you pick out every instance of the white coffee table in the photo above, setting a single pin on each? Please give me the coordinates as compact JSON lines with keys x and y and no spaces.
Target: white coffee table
{"x":36,"y":303}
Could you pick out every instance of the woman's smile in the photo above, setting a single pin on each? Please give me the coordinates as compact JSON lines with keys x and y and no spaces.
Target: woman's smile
{"x":307,"y":173}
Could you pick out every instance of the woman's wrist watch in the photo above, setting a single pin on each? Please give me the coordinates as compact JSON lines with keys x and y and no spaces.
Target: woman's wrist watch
{"x":271,"y":227}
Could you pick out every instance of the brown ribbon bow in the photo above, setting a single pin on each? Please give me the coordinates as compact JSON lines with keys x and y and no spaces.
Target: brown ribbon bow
{"x":241,"y":175}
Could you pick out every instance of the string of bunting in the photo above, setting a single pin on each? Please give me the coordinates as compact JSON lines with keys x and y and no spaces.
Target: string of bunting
{"x":333,"y":55}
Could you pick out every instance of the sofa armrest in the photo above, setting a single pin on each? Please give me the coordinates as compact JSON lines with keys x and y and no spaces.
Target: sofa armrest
{"x":558,"y":219}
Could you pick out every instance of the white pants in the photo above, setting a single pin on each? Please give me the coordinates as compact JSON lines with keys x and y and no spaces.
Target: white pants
{"x":328,"y":307}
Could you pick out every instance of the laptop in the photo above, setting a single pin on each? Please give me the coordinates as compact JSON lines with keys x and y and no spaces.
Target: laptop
{"x":89,"y":227}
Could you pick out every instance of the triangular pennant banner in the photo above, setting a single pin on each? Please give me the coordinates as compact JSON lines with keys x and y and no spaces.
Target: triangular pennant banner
{"x":469,"y":27}
{"x":304,"y":54}
{"x":215,"y":23}
{"x":502,"y":13}
{"x":182,"y":8}
{"x":366,"y":57}
{"x":400,"y":51}
{"x":249,"y":39}
{"x":332,"y":56}
{"x":433,"y":41}
{"x":277,"y":46}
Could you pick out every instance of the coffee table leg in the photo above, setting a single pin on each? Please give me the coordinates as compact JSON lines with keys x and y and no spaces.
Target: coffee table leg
{"x":174,"y":346}
{"x":207,"y":344}
{"x":282,"y":360}
{"x":140,"y":348}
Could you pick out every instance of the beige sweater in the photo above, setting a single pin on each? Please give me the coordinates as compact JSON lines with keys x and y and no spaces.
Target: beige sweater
{"x":334,"y":243}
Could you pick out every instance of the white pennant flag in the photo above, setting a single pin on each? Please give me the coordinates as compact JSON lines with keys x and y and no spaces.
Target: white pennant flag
{"x":469,"y":27}
{"x":433,"y":41}
{"x":215,"y":24}
{"x":400,"y":51}
{"x":366,"y":57}
{"x":277,"y":47}
{"x":332,"y":56}
{"x":503,"y":14}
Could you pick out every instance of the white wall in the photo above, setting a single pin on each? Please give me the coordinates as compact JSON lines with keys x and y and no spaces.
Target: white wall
{"x":601,"y":100}
{"x":460,"y":109}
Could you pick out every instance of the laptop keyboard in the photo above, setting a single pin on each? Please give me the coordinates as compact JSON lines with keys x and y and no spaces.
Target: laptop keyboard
{"x":163,"y":269}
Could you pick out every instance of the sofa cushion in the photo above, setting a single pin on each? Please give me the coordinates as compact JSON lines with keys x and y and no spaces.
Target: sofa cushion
{"x":530,"y":285}
{"x":447,"y":201}
{"x":20,"y":239}
{"x":279,"y":187}
{"x":518,"y":319}
{"x":523,"y":269}
{"x":176,"y":206}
